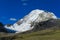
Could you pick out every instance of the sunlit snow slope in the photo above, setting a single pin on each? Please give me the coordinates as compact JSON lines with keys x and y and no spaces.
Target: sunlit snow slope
{"x":25,"y":23}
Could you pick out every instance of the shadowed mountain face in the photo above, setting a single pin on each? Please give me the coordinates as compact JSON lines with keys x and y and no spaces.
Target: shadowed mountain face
{"x":2,"y":29}
{"x":49,"y":24}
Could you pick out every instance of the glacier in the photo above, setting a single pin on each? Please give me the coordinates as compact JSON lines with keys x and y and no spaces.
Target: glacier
{"x":25,"y":24}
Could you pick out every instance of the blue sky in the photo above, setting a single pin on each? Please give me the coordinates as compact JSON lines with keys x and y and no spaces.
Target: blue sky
{"x":13,"y":10}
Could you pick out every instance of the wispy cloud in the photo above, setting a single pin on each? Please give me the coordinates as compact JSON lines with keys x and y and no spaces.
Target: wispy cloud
{"x":13,"y":19}
{"x":24,"y":4}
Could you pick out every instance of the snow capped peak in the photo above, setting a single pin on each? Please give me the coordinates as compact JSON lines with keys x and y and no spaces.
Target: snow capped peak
{"x":27,"y":23}
{"x":54,"y":16}
{"x":37,"y":11}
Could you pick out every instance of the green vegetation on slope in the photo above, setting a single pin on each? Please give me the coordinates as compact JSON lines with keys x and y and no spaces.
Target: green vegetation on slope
{"x":39,"y":35}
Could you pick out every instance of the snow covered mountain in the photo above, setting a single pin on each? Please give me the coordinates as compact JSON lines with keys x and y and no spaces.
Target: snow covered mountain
{"x":27,"y":23}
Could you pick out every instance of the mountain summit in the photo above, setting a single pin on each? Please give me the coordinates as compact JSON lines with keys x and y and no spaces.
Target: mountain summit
{"x":27,"y":23}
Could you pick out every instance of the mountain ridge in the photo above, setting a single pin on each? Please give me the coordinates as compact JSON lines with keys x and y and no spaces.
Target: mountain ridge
{"x":25,"y":23}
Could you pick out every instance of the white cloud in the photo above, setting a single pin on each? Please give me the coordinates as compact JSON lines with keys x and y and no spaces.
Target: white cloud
{"x":13,"y":19}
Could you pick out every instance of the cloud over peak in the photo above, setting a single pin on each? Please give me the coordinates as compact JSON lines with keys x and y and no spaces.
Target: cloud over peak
{"x":13,"y":19}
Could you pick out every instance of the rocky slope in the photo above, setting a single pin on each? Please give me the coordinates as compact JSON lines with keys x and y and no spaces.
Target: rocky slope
{"x":49,"y":24}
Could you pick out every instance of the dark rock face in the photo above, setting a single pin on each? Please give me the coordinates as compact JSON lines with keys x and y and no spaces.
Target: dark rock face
{"x":1,"y":26}
{"x":2,"y":29}
{"x":52,"y":23}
